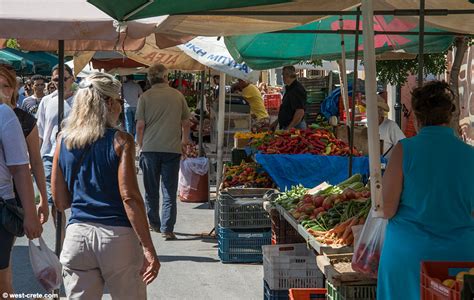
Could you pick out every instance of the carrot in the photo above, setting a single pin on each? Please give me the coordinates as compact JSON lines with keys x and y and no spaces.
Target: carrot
{"x":341,"y":227}
{"x":350,"y":240}
{"x":315,"y":232}
{"x":349,"y":229}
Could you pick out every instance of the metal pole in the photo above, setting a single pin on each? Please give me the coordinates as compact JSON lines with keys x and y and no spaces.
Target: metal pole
{"x":354,"y":92}
{"x":180,"y":81}
{"x":201,"y":112}
{"x":220,"y":129}
{"x":371,"y":99}
{"x":343,"y":74}
{"x":393,"y":12}
{"x":398,"y":105}
{"x":421,"y":43}
{"x":59,"y":215}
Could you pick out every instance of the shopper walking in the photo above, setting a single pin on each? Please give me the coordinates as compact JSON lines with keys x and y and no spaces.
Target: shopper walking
{"x":131,"y":92}
{"x":13,"y":165}
{"x":30,"y":132}
{"x":107,"y":239}
{"x":428,"y":197}
{"x":48,"y":125}
{"x":162,"y":129}
{"x":31,"y":104}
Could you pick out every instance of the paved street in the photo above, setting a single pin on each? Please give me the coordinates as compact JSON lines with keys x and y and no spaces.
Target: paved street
{"x":190,"y":266}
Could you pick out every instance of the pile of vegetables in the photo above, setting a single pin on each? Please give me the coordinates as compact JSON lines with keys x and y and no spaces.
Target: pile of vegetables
{"x":309,"y":141}
{"x":320,"y":123}
{"x":250,"y":135}
{"x":289,"y":199}
{"x":250,"y":175}
{"x":330,"y":214}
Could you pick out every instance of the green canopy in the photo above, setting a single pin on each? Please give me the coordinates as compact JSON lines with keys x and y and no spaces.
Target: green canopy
{"x":271,"y":50}
{"x":119,"y":9}
{"x":32,"y":62}
{"x":15,"y":61}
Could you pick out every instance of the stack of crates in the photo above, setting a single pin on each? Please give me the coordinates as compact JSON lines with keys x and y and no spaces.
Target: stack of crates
{"x":316,"y":90}
{"x":243,"y":225}
{"x":289,"y":266}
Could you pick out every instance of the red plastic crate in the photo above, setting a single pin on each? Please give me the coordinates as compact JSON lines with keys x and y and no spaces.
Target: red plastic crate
{"x":307,"y":294}
{"x":434,"y":273}
{"x":272,"y":101}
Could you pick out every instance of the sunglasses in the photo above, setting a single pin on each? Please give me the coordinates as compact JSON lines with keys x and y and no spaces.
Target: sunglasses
{"x":56,"y":79}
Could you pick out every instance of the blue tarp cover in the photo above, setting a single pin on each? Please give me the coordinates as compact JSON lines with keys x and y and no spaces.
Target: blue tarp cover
{"x":288,"y":170}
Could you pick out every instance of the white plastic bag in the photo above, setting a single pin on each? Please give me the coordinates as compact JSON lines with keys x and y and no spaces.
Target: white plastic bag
{"x":190,"y":171}
{"x":46,"y":265}
{"x":368,"y":246}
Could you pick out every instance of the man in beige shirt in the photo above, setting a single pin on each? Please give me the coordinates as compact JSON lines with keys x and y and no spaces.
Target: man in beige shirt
{"x":162,"y":130}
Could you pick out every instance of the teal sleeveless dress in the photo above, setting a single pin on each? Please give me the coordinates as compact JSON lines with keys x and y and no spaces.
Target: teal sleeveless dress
{"x":434,"y":221}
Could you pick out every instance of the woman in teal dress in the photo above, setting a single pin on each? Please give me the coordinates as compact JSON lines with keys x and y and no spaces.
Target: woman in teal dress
{"x":428,"y":192}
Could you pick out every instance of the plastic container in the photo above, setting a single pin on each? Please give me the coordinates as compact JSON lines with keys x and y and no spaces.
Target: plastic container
{"x":307,"y":294}
{"x":269,"y":294}
{"x":242,"y":245}
{"x":351,"y":292}
{"x":241,"y":212}
{"x":227,"y":257}
{"x":434,"y":273}
{"x":291,"y":266}
{"x":199,"y":195}
{"x":193,"y":185}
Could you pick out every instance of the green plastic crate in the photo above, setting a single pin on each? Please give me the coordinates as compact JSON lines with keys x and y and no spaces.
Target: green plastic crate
{"x":351,"y":292}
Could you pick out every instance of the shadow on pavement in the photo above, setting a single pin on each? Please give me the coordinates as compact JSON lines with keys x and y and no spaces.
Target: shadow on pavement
{"x":203,"y":206}
{"x":172,"y":258}
{"x":24,"y":281}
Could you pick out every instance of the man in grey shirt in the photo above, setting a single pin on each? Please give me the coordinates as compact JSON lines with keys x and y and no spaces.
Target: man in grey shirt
{"x":162,"y":129}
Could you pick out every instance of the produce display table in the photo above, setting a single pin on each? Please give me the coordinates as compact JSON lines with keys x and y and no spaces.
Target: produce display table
{"x":310,"y":240}
{"x":337,"y":269}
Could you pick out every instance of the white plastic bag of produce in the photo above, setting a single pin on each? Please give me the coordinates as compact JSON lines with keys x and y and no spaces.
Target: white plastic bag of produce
{"x":368,"y":246}
{"x":46,"y":265}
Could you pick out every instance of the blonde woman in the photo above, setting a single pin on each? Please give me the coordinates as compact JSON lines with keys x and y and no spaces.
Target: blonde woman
{"x":107,"y":239}
{"x":13,"y":165}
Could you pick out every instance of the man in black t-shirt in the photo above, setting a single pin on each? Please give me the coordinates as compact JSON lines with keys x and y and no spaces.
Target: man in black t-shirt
{"x":291,"y":114}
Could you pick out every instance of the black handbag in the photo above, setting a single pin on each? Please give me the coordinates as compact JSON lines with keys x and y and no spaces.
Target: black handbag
{"x":12,"y":216}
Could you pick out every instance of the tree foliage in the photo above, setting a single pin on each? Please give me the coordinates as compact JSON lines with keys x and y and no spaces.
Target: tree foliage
{"x":397,"y":71}
{"x":13,"y":43}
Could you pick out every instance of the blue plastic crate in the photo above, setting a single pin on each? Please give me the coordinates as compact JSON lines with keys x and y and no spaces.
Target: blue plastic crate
{"x":227,"y":257}
{"x":243,"y":241}
{"x":269,"y":294}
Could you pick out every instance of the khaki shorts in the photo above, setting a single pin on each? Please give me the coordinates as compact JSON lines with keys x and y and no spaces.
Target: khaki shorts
{"x":95,"y":255}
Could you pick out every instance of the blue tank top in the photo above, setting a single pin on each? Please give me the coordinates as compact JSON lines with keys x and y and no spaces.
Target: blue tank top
{"x":96,"y":196}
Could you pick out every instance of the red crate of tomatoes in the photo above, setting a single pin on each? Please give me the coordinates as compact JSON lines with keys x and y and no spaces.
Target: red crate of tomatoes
{"x":272,"y":101}
{"x":446,"y":280}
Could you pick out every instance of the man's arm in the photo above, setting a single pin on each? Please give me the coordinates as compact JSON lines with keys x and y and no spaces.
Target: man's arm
{"x":140,"y":132}
{"x":297,"y":117}
{"x":140,"y":119}
{"x":186,"y":131}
